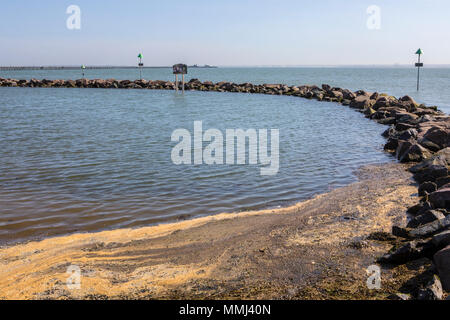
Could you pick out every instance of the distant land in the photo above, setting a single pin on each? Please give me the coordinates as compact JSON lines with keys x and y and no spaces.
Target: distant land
{"x":69,"y":67}
{"x":90,"y":67}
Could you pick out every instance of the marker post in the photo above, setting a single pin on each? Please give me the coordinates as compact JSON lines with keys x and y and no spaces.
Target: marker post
{"x":419,"y":65}
{"x":140,"y":65}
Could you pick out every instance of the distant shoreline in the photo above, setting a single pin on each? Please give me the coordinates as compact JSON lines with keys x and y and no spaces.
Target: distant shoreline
{"x":391,"y":66}
{"x":15,"y":68}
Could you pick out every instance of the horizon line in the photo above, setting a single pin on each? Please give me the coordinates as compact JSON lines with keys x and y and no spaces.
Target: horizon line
{"x":224,"y":66}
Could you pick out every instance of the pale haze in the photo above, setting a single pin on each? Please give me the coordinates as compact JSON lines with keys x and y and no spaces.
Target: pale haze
{"x":224,"y":33}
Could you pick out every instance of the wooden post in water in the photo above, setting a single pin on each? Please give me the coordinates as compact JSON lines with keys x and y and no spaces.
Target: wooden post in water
{"x":183,"y":82}
{"x":179,"y":69}
{"x":419,"y":65}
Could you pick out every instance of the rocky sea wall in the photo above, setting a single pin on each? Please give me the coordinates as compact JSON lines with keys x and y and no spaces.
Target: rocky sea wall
{"x":417,"y":134}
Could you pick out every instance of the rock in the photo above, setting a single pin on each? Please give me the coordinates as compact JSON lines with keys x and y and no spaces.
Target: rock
{"x":430,"y":173}
{"x":442,"y":181}
{"x":402,"y":126}
{"x":369,"y":111}
{"x":360,"y":102}
{"x":326,"y":87}
{"x":413,"y":250}
{"x":362,"y":93}
{"x":382,"y":102}
{"x":444,"y":154}
{"x":436,"y":161}
{"x":429,"y":145}
{"x":400,"y":232}
{"x":438,"y":136}
{"x":415,"y":209}
{"x":430,"y":229}
{"x":348,"y":95}
{"x":425,"y":207}
{"x":374,"y":96}
{"x":442,"y":262}
{"x":387,"y":121}
{"x":408,"y":99}
{"x":429,"y":216}
{"x":440,"y":198}
{"x":442,"y":239}
{"x":399,"y":296}
{"x":408,"y":135}
{"x":432,"y":291}
{"x":427,"y":188}
{"x":391,"y":145}
{"x":445,"y":186}
{"x":391,"y":131}
{"x":409,"y":151}
{"x":405,"y":117}
{"x":337,"y":94}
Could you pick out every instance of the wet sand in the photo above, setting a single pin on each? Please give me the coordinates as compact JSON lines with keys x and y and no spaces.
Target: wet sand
{"x":316,"y":249}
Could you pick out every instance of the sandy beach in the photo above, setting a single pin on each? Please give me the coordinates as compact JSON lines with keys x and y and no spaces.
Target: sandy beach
{"x":317,"y":249}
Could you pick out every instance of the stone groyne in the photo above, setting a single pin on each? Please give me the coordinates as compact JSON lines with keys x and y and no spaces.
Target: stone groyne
{"x":417,"y":134}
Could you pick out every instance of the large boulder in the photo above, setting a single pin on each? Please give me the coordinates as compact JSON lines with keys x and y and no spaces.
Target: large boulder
{"x":402,"y":126}
{"x":442,"y":239}
{"x":361,"y":102}
{"x":438,"y":136}
{"x":430,"y":229}
{"x":389,"y":132}
{"x":348,"y":95}
{"x":427,"y":188}
{"x":405,"y":117}
{"x":382,"y":102}
{"x":408,"y":103}
{"x":442,"y":181}
{"x":419,"y":208}
{"x":432,"y":291}
{"x":410,"y":151}
{"x":413,"y":250}
{"x":440,"y":198}
{"x":442,"y":262}
{"x":431,"y":173}
{"x":362,"y":93}
{"x":409,"y":134}
{"x":429,"y":216}
{"x":336,"y":94}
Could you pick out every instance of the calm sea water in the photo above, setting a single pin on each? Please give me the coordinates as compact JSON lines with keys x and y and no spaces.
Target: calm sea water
{"x":76,"y":160}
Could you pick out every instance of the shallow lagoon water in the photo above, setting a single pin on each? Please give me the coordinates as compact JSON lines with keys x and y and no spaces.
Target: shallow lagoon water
{"x":77,"y":160}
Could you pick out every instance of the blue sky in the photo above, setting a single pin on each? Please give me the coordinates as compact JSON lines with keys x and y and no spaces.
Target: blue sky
{"x":224,"y":33}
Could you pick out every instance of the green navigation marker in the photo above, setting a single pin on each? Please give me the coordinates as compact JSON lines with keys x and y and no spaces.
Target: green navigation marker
{"x":140,"y":65}
{"x":419,"y":65}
